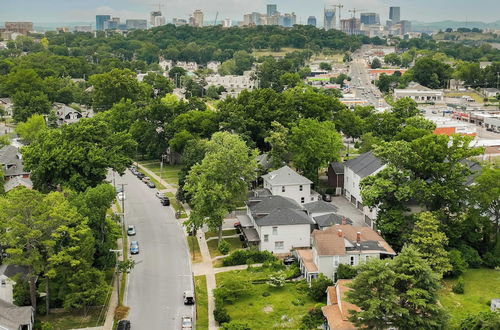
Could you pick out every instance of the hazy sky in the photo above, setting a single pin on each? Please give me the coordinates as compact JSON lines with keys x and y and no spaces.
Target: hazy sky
{"x":85,"y":10}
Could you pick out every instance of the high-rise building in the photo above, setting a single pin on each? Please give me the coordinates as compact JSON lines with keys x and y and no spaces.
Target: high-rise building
{"x":227,"y":22}
{"x":370,"y":18}
{"x":137,"y":24}
{"x":329,"y":21}
{"x":405,"y":27}
{"x":351,"y":26}
{"x":111,"y":25}
{"x":311,"y":21}
{"x":198,"y":18}
{"x":99,"y":21}
{"x":83,"y":28}
{"x":288,"y":20}
{"x":179,"y":21}
{"x":395,"y":14}
{"x":19,"y":27}
{"x":152,"y":17}
{"x":255,"y":20}
{"x":272,"y":10}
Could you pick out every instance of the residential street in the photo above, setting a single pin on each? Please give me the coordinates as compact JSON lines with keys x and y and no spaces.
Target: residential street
{"x":163,"y":269}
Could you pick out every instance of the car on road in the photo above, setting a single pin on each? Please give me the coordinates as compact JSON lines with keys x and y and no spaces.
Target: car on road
{"x":165,"y":201}
{"x":131,"y":230}
{"x":134,"y":247}
{"x":151,"y":184}
{"x":188,"y":297}
{"x":145,"y":179}
{"x":140,"y":175}
{"x":159,"y":194}
{"x":123,"y":325}
{"x":121,"y":196}
{"x":187,"y":323}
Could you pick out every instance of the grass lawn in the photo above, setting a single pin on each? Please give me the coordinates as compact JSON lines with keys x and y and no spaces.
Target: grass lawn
{"x":477,"y":98}
{"x":170,"y":173}
{"x":229,"y":232}
{"x":194,"y":248}
{"x":76,"y":320}
{"x":268,"y":52}
{"x":201,"y":302}
{"x":234,"y":242}
{"x":481,"y":285}
{"x":282,"y":309}
{"x":176,"y":205}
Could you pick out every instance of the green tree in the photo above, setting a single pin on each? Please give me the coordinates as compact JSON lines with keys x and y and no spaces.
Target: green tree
{"x":27,"y":104}
{"x":314,"y":144}
{"x":317,"y":289}
{"x":431,"y":73}
{"x":111,"y":87}
{"x":220,"y":182}
{"x":4,"y":141}
{"x":32,"y":128}
{"x":78,"y":155}
{"x":160,"y":85}
{"x":349,"y":123}
{"x":376,"y":63}
{"x":481,"y":321}
{"x":277,"y":140}
{"x":405,"y":108}
{"x":325,"y":66}
{"x":86,"y":288}
{"x":486,"y":193}
{"x":431,"y":242}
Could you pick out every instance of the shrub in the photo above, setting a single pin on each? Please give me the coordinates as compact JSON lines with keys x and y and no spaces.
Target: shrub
{"x":223,"y":247}
{"x":232,"y":289}
{"x":275,"y":265}
{"x":298,"y":302}
{"x":491,"y":260}
{"x":293,"y":271}
{"x":484,"y":320}
{"x":235,"y":325}
{"x":46,"y":326}
{"x":302,"y":287}
{"x":21,"y":293}
{"x":458,"y":264}
{"x":459,"y":287}
{"x":240,"y":257}
{"x":346,"y":272}
{"x":312,"y":319}
{"x":471,"y":256}
{"x":317,"y":291}
{"x":221,"y":315}
{"x":276,"y":280}
{"x":266,"y":294}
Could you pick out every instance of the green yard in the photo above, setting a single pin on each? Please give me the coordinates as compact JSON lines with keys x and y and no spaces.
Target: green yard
{"x":76,"y":320}
{"x":176,"y":205}
{"x":234,"y":242}
{"x":228,"y":232}
{"x":283,"y":308}
{"x":201,"y":302}
{"x":194,"y":249}
{"x":481,"y":285}
{"x":170,"y":173}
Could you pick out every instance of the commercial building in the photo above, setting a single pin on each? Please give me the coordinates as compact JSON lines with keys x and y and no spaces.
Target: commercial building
{"x":19,"y":27}
{"x":179,"y":21}
{"x":83,"y":28}
{"x":100,"y":20}
{"x":395,"y":14}
{"x":311,"y":21}
{"x":404,"y":27}
{"x":287,"y":20}
{"x":420,"y":94}
{"x":351,"y":26}
{"x":370,"y":18}
{"x":329,"y":21}
{"x":159,"y":21}
{"x":272,"y":10}
{"x":136,"y":24}
{"x":198,"y":18}
{"x":227,"y":22}
{"x":153,"y":16}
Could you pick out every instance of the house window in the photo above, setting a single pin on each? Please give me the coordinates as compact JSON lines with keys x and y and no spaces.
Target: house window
{"x":336,"y":261}
{"x":282,"y":188}
{"x":302,"y":200}
{"x":3,"y":283}
{"x":279,"y":245}
{"x":352,"y":260}
{"x":275,"y":230}
{"x":266,"y":238}
{"x":300,"y":188}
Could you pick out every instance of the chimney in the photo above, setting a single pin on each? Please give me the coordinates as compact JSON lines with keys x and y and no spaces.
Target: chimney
{"x":358,"y":237}
{"x":340,"y":232}
{"x":344,"y":221}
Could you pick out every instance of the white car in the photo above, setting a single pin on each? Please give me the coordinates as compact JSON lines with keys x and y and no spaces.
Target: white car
{"x":121,"y":196}
{"x":159,"y":194}
{"x":187,"y":323}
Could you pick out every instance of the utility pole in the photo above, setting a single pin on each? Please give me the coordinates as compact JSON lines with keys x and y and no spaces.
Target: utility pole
{"x":123,"y":207}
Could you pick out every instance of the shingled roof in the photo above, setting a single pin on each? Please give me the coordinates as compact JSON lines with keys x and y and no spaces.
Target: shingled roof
{"x":285,"y":217}
{"x":285,"y":176}
{"x":266,"y":204}
{"x":331,"y":219}
{"x":364,"y":165}
{"x":320,"y":207}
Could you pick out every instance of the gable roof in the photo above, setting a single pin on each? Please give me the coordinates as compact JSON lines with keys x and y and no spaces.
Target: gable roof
{"x":320,"y":207}
{"x":12,"y":316}
{"x":12,"y":270}
{"x":337,"y":167}
{"x":266,"y":204}
{"x":337,"y":313}
{"x":364,"y":165}
{"x":9,"y":154}
{"x":331,"y":219}
{"x":342,"y":240}
{"x":285,"y":176}
{"x":285,"y":217}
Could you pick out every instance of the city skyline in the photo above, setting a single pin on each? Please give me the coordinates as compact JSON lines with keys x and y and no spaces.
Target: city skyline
{"x":80,"y":11}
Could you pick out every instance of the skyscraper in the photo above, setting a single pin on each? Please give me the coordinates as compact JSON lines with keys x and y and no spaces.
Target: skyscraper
{"x":152,"y":19}
{"x":272,"y":10}
{"x":311,"y":21}
{"x":370,"y":18}
{"x":395,"y":14}
{"x":329,"y":19}
{"x":99,"y":21}
{"x":198,"y":18}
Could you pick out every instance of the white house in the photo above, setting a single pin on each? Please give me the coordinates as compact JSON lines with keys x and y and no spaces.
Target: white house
{"x":8,"y":273}
{"x":341,"y":244}
{"x":13,"y":317}
{"x":66,"y":114}
{"x":166,"y":65}
{"x":354,"y":171}
{"x":288,"y":183}
{"x":214,"y":66}
{"x":7,"y":105}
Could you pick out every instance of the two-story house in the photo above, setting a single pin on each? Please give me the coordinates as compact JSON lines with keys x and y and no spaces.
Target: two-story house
{"x":288,"y":183}
{"x":8,"y":277}
{"x":341,"y":244}
{"x":355,"y":170}
{"x":12,"y":167}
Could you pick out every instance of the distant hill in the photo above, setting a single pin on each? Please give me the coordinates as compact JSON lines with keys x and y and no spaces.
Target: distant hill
{"x":442,"y":25}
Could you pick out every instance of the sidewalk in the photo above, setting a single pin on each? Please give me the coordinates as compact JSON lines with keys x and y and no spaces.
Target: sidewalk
{"x":205,"y":267}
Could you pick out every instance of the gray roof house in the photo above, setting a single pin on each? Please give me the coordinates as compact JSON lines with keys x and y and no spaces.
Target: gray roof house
{"x":320,"y":208}
{"x":288,"y":183}
{"x":9,"y":274}
{"x":364,"y":165}
{"x":12,"y":166}
{"x":328,"y":220}
{"x":13,"y":317}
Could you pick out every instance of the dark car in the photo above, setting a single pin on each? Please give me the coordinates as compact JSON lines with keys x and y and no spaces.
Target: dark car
{"x":188,"y":297}
{"x":165,"y":201}
{"x":140,"y":175}
{"x":289,"y":260}
{"x":327,"y":198}
{"x":151,"y":184}
{"x":123,"y":325}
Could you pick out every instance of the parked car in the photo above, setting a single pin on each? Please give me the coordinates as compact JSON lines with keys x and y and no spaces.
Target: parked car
{"x":327,"y":198}
{"x":123,"y":325}
{"x":131,"y":230}
{"x":188,"y":298}
{"x":289,"y":260}
{"x":490,"y":129}
{"x":159,"y":194}
{"x":151,"y":184}
{"x":237,"y":224}
{"x":187,"y":323}
{"x":134,"y":247}
{"x":165,"y":201}
{"x":145,"y":179}
{"x":140,"y":175}
{"x":121,"y":196}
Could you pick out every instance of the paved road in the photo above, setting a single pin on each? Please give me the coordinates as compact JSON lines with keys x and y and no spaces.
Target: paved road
{"x":163,"y":269}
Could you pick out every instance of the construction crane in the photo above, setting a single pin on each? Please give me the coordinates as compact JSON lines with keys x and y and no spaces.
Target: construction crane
{"x":354,"y":11}
{"x":216,"y":16}
{"x":339,"y":6}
